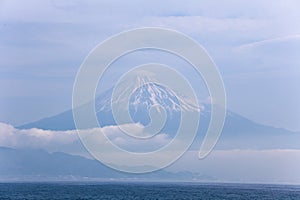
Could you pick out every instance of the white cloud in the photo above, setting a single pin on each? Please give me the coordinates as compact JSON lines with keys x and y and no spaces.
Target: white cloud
{"x":34,"y":138}
{"x":69,"y":142}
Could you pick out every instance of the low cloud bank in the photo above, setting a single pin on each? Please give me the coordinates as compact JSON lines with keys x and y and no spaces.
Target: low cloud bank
{"x":272,"y":165}
{"x":69,"y":141}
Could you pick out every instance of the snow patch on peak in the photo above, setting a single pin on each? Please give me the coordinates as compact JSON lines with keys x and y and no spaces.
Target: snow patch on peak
{"x":152,"y":94}
{"x":148,"y":94}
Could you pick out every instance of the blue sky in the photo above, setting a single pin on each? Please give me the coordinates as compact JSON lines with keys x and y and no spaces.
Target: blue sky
{"x":255,"y":44}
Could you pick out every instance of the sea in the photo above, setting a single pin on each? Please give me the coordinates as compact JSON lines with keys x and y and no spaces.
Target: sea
{"x":130,"y":190}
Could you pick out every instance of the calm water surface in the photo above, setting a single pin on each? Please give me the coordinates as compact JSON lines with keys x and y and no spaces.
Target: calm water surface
{"x":146,"y":191}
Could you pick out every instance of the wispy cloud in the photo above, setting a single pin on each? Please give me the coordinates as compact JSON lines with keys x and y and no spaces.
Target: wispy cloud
{"x":286,"y":38}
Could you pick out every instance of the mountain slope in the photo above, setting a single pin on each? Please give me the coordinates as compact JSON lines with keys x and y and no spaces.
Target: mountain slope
{"x":238,"y":133}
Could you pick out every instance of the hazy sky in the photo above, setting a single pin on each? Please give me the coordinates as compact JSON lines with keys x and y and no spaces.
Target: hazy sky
{"x":255,"y":44}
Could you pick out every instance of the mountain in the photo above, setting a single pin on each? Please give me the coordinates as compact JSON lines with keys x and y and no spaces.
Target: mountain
{"x":39,"y":165}
{"x":238,"y":132}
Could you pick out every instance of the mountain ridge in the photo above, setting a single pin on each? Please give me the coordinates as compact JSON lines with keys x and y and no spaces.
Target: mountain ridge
{"x":39,"y":165}
{"x":238,"y":131}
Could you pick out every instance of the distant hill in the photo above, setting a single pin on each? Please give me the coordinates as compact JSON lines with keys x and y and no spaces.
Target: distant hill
{"x":39,"y":165}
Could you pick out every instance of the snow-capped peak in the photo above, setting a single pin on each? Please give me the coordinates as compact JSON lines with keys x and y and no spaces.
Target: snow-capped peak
{"x":146,"y":95}
{"x":152,"y":94}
